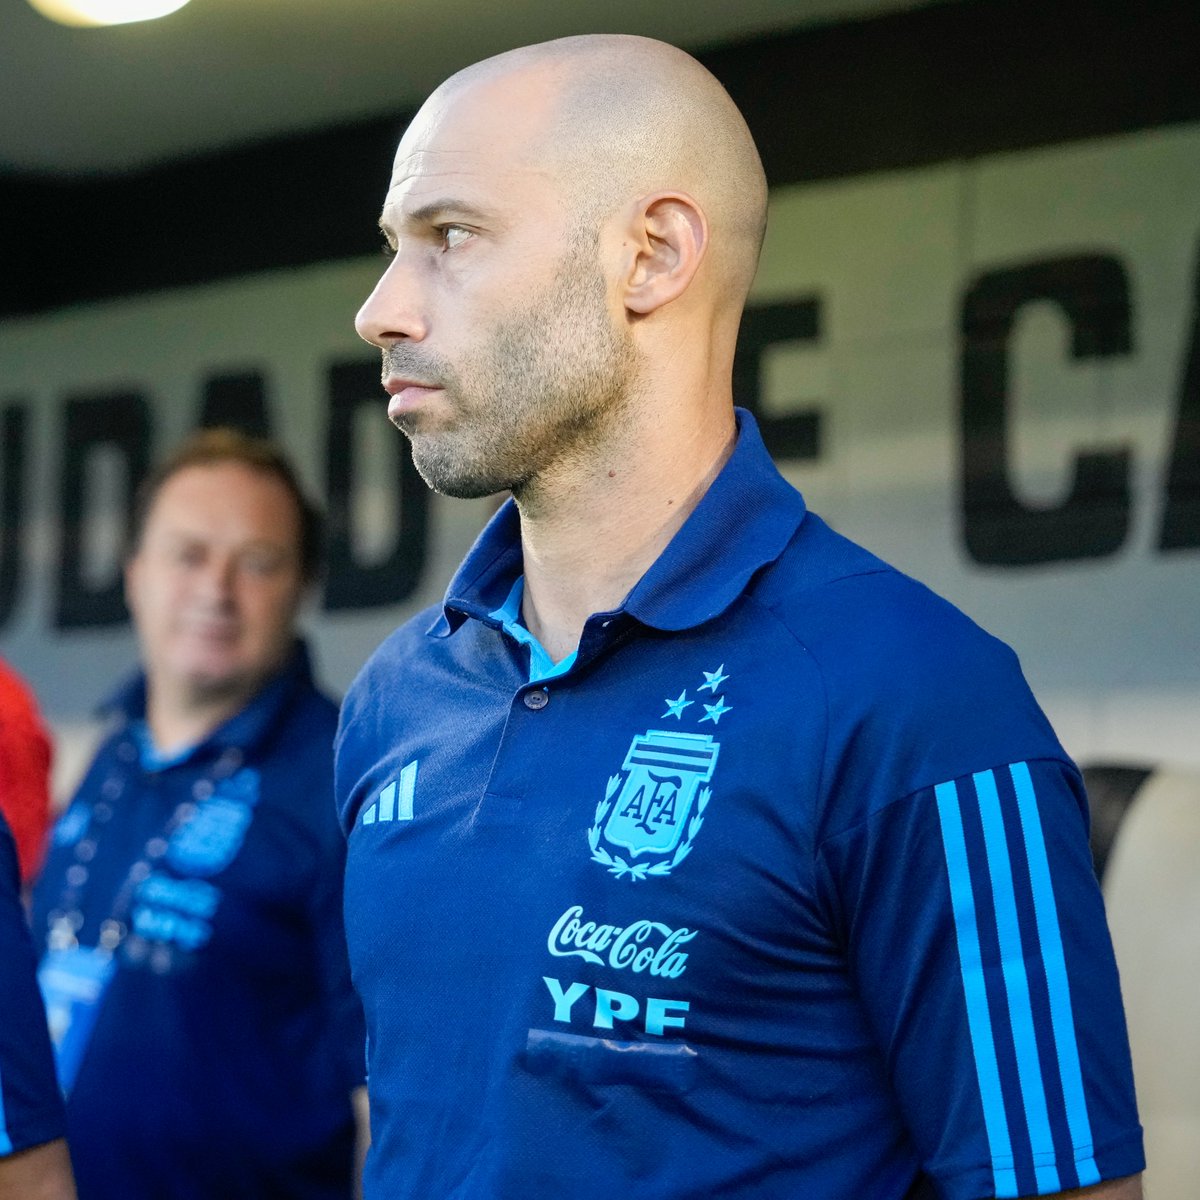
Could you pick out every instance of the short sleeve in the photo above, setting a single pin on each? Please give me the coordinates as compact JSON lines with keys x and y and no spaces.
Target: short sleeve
{"x":976,"y":935}
{"x":31,"y":1109}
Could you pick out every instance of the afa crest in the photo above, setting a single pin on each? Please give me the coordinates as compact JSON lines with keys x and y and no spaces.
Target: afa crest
{"x":657,"y":808}
{"x":210,"y":840}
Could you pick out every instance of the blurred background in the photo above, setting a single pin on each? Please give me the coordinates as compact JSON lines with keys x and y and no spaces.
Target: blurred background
{"x":974,"y":343}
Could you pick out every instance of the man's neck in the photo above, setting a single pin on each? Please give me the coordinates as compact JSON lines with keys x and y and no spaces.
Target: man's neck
{"x":177,"y":721}
{"x":588,"y":538}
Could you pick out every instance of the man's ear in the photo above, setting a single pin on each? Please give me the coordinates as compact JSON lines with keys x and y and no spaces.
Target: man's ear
{"x":669,"y":235}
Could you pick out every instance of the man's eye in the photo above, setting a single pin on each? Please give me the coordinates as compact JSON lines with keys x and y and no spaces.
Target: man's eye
{"x":387,"y":249}
{"x":263,"y":564}
{"x":454,"y":235}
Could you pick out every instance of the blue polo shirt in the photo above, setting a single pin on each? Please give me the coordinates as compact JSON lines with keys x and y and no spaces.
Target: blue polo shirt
{"x":31,"y":1110}
{"x":229,"y":1040}
{"x":781,"y":888}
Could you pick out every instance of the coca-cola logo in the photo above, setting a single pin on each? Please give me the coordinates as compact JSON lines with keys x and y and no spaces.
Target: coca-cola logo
{"x":644,"y":945}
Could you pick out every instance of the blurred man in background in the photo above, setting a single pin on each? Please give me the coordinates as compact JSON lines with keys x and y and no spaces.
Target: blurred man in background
{"x":693,"y":850}
{"x":189,"y":913}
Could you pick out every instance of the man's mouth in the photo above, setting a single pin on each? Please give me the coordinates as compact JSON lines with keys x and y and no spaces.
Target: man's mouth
{"x":407,"y":395}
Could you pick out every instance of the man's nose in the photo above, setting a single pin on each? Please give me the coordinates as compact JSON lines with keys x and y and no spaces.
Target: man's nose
{"x":392,"y":312}
{"x":218,"y":576}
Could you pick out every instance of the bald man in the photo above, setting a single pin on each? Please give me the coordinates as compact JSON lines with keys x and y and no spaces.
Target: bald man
{"x":693,"y":851}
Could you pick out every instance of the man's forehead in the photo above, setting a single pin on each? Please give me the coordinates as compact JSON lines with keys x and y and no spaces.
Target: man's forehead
{"x":224,"y":491}
{"x":490,"y":126}
{"x":415,"y":170}
{"x":477,"y":181}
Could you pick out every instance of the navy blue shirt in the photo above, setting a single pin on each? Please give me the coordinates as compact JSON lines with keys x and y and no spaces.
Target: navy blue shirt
{"x":31,"y":1110}
{"x":780,"y":888}
{"x":228,"y":1043}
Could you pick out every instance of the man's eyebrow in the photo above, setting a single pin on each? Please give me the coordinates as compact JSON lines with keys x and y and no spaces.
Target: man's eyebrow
{"x":446,"y":207}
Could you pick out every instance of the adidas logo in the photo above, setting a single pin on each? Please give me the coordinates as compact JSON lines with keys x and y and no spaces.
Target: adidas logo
{"x":395,"y":802}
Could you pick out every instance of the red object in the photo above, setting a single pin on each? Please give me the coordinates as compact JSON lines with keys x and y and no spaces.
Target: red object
{"x":25,"y":756}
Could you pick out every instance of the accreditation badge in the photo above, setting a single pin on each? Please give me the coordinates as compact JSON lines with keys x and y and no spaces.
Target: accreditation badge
{"x":73,"y":983}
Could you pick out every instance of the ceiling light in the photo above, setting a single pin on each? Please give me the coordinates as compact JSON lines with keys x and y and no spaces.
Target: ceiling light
{"x":105,"y":12}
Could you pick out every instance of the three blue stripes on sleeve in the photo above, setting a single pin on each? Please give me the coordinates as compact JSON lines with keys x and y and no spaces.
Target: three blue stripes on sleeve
{"x":1002,"y":884}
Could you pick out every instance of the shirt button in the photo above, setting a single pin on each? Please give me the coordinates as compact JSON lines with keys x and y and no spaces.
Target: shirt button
{"x":537,"y":700}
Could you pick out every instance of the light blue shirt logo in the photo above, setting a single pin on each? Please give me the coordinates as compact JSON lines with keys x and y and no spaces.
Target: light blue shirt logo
{"x":395,"y":801}
{"x":657,"y":808}
{"x":208,"y":842}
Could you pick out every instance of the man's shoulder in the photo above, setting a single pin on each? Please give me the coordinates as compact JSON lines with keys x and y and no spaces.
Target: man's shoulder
{"x":404,"y":647}
{"x":838,"y":597}
{"x":901,"y":666}
{"x":887,"y":645}
{"x":302,"y":743}
{"x":293,"y":762}
{"x":313,"y":710}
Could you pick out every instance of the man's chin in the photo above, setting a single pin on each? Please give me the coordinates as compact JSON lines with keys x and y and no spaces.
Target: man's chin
{"x":450,"y":475}
{"x":208,"y":687}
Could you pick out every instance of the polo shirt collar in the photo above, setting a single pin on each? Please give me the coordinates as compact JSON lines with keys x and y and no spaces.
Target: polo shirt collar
{"x":484,"y":580}
{"x":742,"y":523}
{"x":243,"y":731}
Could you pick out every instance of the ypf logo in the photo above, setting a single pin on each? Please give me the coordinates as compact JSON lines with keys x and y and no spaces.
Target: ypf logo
{"x":657,"y":807}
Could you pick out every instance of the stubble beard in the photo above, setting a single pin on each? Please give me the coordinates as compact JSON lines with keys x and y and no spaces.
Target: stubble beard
{"x":545,"y":391}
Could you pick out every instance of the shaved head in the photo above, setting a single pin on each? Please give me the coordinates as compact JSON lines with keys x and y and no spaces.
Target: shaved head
{"x":630,"y":116}
{"x":575,"y":227}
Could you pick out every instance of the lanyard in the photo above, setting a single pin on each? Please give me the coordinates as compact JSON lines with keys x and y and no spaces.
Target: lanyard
{"x":66,"y":920}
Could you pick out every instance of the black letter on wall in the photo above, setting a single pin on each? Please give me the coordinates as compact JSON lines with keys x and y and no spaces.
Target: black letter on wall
{"x":1093,"y":521}
{"x":1181,"y":518}
{"x":351,"y":584}
{"x":123,"y":422}
{"x":238,"y":401}
{"x":14,"y":426}
{"x":796,"y":435}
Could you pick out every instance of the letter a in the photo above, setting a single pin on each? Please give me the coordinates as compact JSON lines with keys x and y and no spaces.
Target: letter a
{"x":667,"y":797}
{"x":634,"y":808}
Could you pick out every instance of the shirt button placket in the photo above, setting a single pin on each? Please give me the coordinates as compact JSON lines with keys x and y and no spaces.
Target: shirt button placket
{"x":536,"y":700}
